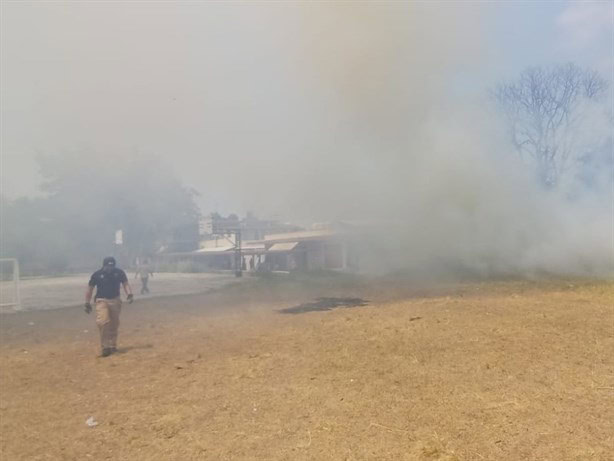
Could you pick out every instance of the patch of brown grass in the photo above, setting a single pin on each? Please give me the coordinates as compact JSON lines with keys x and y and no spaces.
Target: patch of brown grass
{"x":496,"y":371}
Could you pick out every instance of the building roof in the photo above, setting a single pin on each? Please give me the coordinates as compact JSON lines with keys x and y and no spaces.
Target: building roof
{"x":299,"y":236}
{"x":285,"y":246}
{"x":252,"y":245}
{"x":220,"y":249}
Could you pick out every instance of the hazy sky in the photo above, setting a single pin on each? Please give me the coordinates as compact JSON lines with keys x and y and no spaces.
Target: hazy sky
{"x":237,"y":95}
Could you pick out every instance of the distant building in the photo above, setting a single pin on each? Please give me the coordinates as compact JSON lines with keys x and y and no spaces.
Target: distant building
{"x":215,"y":226}
{"x":327,"y":246}
{"x":268,"y":245}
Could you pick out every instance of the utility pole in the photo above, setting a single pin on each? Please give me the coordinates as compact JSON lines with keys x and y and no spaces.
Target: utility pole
{"x":238,"y":256}
{"x":221,"y":226}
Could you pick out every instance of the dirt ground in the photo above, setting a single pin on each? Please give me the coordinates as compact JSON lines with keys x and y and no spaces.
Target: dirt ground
{"x":472,"y":371}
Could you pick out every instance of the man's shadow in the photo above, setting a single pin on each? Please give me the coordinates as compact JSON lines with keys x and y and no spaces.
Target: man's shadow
{"x":123,"y":350}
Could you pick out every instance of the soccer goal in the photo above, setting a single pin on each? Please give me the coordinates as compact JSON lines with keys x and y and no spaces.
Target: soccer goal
{"x":9,"y":284}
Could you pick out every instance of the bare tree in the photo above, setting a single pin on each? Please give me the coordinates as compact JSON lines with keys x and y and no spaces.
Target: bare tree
{"x":545,"y":108}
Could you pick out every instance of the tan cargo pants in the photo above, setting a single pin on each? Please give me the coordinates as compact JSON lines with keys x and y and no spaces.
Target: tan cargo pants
{"x":107,"y":319}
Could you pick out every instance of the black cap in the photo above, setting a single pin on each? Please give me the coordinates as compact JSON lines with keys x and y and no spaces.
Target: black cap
{"x":109,"y":261}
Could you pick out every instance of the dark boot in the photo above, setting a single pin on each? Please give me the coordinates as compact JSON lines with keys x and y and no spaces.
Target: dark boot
{"x":106,"y":352}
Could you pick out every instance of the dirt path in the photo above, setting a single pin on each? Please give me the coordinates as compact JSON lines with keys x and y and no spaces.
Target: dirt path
{"x":44,"y":293}
{"x":503,"y":371}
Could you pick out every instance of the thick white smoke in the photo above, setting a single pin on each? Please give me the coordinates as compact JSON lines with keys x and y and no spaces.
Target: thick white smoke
{"x":312,"y":111}
{"x":397,"y":142}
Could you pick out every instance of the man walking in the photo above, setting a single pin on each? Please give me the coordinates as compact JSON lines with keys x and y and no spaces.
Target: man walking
{"x":108,"y":302}
{"x":144,"y":270}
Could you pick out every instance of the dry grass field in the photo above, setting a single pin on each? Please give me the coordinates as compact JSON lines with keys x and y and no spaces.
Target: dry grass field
{"x":474,"y":371}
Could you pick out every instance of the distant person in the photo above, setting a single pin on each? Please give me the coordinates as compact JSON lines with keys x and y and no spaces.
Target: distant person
{"x":108,"y":302}
{"x":144,"y":271}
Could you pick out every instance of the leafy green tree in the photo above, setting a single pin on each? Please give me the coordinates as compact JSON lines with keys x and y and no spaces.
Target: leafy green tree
{"x":88,"y":198}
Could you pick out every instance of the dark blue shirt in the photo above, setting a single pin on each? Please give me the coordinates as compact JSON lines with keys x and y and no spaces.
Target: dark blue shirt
{"x":107,"y":283}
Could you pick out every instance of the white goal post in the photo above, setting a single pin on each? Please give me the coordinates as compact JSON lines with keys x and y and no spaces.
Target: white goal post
{"x":9,"y":284}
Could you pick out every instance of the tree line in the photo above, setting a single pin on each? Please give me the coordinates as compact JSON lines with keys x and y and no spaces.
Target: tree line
{"x":87,"y":198}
